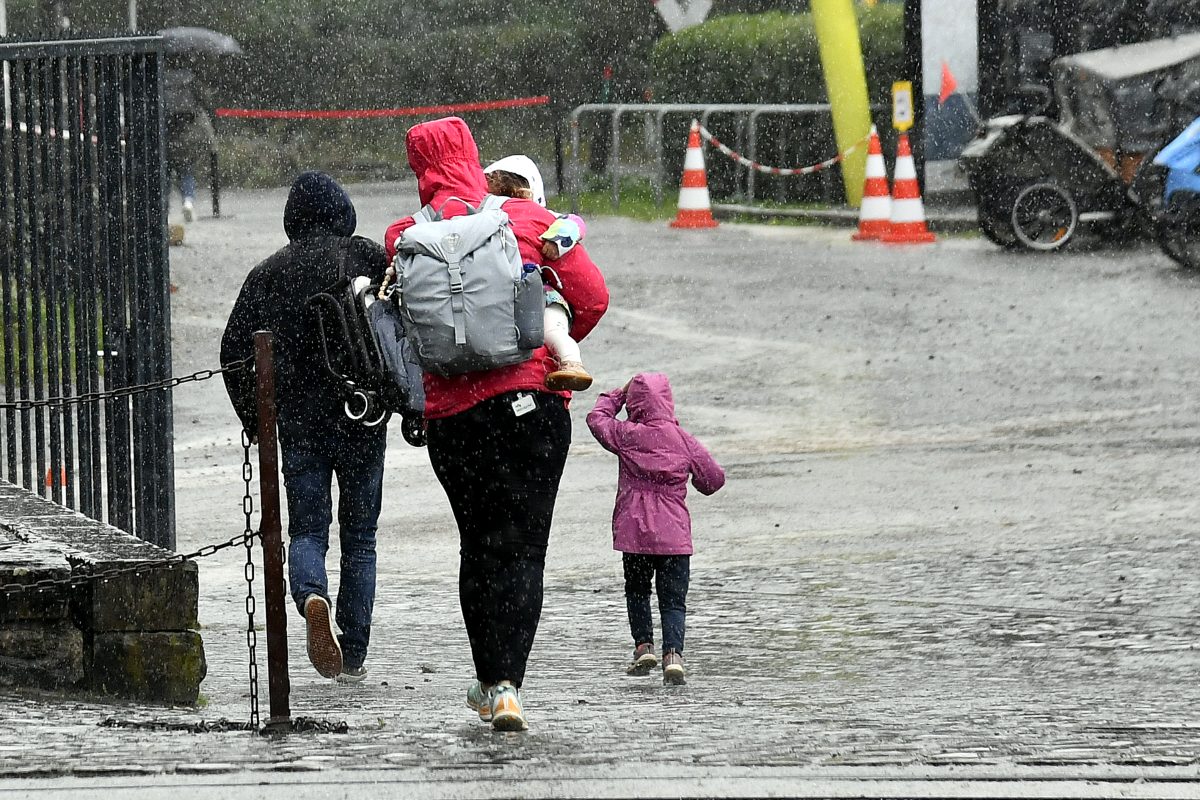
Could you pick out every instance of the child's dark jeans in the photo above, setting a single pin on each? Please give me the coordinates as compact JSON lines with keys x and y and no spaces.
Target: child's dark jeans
{"x":670,"y":575}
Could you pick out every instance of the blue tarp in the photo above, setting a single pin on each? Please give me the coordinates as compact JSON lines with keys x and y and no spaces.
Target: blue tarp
{"x":1182,"y":158}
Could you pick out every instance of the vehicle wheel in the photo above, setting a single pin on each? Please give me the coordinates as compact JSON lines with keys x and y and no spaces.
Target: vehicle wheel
{"x":1179,"y":236}
{"x":996,"y":227}
{"x":1044,"y":216}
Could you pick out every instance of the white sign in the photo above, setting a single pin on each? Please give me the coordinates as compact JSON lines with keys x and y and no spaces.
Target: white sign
{"x":680,"y":14}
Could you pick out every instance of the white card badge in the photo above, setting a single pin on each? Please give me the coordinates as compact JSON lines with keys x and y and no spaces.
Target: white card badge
{"x":523,"y":405}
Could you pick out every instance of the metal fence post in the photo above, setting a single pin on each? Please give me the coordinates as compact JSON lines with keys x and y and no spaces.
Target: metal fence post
{"x":214,"y":173}
{"x":278,"y":682}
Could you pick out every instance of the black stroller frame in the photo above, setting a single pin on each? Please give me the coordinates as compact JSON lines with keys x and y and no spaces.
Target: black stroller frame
{"x":358,"y":366}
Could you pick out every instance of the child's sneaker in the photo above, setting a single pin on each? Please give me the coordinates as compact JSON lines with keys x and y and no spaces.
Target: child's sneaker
{"x":569,"y":377}
{"x":644,"y":660}
{"x":673,"y":672}
{"x":323,"y":649}
{"x":507,"y":713}
{"x":479,"y":700}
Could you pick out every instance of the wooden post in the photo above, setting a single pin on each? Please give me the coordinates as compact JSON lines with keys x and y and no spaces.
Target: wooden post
{"x":278,"y":683}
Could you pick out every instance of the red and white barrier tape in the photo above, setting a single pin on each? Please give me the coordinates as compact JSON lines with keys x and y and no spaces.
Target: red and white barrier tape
{"x":375,"y":113}
{"x":745,"y":162}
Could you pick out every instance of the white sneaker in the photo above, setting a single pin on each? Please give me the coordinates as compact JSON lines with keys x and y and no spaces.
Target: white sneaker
{"x":189,"y":210}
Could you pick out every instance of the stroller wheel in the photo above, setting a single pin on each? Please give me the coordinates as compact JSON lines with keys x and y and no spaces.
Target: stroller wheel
{"x":1044,"y":216}
{"x":358,"y":406}
{"x":376,"y":419}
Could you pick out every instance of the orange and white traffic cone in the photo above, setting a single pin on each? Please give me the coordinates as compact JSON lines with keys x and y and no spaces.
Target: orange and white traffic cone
{"x":908,"y":212}
{"x":62,"y":476}
{"x":695,"y":210}
{"x":875,"y":213}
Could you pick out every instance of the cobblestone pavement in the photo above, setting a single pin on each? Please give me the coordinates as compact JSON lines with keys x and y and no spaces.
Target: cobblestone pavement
{"x":958,"y":531}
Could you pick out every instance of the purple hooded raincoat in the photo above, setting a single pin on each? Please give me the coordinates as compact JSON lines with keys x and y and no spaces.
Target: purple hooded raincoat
{"x":657,"y":456}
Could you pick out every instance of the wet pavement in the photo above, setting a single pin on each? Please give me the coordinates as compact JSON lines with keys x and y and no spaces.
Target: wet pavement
{"x":957,"y":539}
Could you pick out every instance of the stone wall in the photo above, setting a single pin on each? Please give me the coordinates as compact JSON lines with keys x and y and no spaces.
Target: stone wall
{"x":132,"y":636}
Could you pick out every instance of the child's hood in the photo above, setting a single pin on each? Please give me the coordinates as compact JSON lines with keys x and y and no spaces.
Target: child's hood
{"x":649,"y":398}
{"x":444,"y":157}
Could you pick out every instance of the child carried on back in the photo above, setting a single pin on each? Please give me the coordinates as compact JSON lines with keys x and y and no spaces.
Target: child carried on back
{"x":518,"y":176}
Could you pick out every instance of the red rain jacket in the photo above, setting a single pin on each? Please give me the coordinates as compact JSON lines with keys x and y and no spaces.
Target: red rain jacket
{"x":443,"y":155}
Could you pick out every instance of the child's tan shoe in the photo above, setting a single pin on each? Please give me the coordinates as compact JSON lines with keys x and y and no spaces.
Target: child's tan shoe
{"x":569,"y":377}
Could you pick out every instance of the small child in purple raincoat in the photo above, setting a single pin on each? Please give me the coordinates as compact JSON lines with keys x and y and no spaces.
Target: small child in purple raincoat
{"x":651,"y":523}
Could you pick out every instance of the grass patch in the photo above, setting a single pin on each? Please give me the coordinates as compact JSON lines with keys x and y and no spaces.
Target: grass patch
{"x":636,"y":202}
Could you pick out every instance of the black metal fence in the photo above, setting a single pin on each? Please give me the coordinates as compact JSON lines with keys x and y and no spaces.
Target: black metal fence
{"x":83,"y":265}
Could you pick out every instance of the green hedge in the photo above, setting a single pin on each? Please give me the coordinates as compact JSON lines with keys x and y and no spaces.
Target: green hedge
{"x":772,"y":58}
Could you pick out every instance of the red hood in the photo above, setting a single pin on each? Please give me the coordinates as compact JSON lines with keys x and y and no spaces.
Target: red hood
{"x":445,"y":159}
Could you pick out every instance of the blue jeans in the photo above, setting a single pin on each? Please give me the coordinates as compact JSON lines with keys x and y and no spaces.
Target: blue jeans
{"x":187,"y":186}
{"x":671,"y":574}
{"x":309,"y":464}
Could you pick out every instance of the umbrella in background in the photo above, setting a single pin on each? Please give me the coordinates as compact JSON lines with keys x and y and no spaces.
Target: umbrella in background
{"x":199,"y":41}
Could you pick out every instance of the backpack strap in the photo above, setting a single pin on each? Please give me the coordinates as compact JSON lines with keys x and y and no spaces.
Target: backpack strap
{"x":470,"y":208}
{"x":457,"y":305}
{"x":427,"y":214}
{"x":493,"y":202}
{"x":343,"y":256}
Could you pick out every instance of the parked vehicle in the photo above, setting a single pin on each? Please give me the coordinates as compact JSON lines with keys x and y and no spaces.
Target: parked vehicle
{"x":1175,"y":213}
{"x":1037,"y":180}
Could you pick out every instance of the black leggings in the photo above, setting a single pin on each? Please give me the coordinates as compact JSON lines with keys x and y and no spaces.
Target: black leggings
{"x":501,"y":473}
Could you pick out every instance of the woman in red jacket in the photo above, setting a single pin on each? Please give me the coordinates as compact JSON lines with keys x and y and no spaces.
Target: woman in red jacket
{"x":498,"y":439}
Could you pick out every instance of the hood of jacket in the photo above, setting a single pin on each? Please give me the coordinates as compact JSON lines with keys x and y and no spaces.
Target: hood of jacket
{"x":445,"y":159}
{"x":317,"y":205}
{"x":649,"y":398}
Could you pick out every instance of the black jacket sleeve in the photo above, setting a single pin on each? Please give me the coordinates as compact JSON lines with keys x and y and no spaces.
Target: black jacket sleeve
{"x":237,"y":344}
{"x":367,"y":258}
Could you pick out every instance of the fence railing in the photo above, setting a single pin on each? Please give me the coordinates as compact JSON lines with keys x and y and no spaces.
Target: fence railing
{"x":84,"y":284}
{"x":656,"y":113}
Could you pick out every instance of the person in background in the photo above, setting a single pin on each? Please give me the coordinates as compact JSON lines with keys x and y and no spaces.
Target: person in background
{"x":190,"y":134}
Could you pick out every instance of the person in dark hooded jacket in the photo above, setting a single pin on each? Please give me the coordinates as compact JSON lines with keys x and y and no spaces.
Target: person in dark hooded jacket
{"x":316,"y":437}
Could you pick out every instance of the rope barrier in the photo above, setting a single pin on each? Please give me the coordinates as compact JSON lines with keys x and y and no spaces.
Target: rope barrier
{"x":375,"y":113}
{"x":754,"y":165}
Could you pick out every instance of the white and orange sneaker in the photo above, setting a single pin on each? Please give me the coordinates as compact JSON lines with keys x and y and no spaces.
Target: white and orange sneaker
{"x":507,"y":713}
{"x":479,"y":700}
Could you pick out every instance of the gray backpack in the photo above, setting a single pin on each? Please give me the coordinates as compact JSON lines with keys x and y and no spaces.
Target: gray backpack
{"x":468,"y":302}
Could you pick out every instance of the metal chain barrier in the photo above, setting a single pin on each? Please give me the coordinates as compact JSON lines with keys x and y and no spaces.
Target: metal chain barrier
{"x":251,"y":633}
{"x":754,"y":165}
{"x":246,"y":538}
{"x":131,"y":568}
{"x":127,"y":391}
